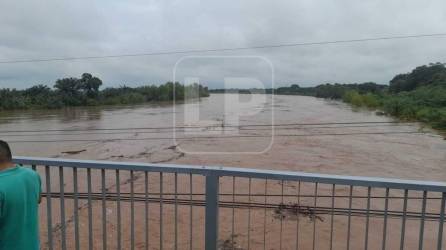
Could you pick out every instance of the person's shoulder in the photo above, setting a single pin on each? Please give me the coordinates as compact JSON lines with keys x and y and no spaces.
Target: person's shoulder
{"x":27,"y":171}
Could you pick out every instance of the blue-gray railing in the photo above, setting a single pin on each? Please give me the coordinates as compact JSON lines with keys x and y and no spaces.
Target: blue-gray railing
{"x":116,"y":205}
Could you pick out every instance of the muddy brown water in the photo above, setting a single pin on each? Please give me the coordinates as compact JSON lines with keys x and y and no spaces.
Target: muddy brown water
{"x":352,"y":148}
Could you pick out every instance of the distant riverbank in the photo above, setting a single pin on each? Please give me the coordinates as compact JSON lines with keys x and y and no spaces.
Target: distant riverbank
{"x":419,"y":95}
{"x":85,"y":91}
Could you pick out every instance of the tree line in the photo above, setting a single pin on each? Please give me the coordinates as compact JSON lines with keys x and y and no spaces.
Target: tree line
{"x":328,"y":90}
{"x":85,"y":91}
{"x":419,"y":95}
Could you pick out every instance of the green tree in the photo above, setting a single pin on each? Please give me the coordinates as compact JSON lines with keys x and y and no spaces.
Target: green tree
{"x":90,"y":85}
{"x":38,"y":95}
{"x":434,"y":73}
{"x":70,"y":92}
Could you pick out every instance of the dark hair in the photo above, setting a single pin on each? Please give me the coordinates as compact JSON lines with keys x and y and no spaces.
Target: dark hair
{"x":5,"y":152}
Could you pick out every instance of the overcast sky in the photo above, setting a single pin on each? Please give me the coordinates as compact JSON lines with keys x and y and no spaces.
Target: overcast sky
{"x":53,"y":28}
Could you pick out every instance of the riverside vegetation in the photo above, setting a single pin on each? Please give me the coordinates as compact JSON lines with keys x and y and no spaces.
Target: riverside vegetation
{"x":85,"y":91}
{"x":419,"y":95}
{"x":416,"y":96}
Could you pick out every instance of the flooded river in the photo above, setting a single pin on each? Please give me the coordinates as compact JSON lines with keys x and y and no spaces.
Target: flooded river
{"x":282,"y":133}
{"x":324,"y":137}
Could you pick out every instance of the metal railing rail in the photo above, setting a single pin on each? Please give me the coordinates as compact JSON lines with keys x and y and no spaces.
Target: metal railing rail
{"x":240,"y":172}
{"x":212,"y":202}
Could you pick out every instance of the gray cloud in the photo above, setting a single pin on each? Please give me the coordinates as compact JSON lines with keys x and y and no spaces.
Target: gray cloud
{"x":53,"y":28}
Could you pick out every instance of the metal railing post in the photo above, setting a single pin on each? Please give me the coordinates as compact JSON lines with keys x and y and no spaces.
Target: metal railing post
{"x":211,"y":224}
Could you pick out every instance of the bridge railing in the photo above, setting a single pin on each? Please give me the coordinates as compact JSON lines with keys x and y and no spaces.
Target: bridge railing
{"x":116,"y":205}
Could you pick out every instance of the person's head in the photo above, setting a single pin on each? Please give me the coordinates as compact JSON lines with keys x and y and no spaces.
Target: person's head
{"x":5,"y":154}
